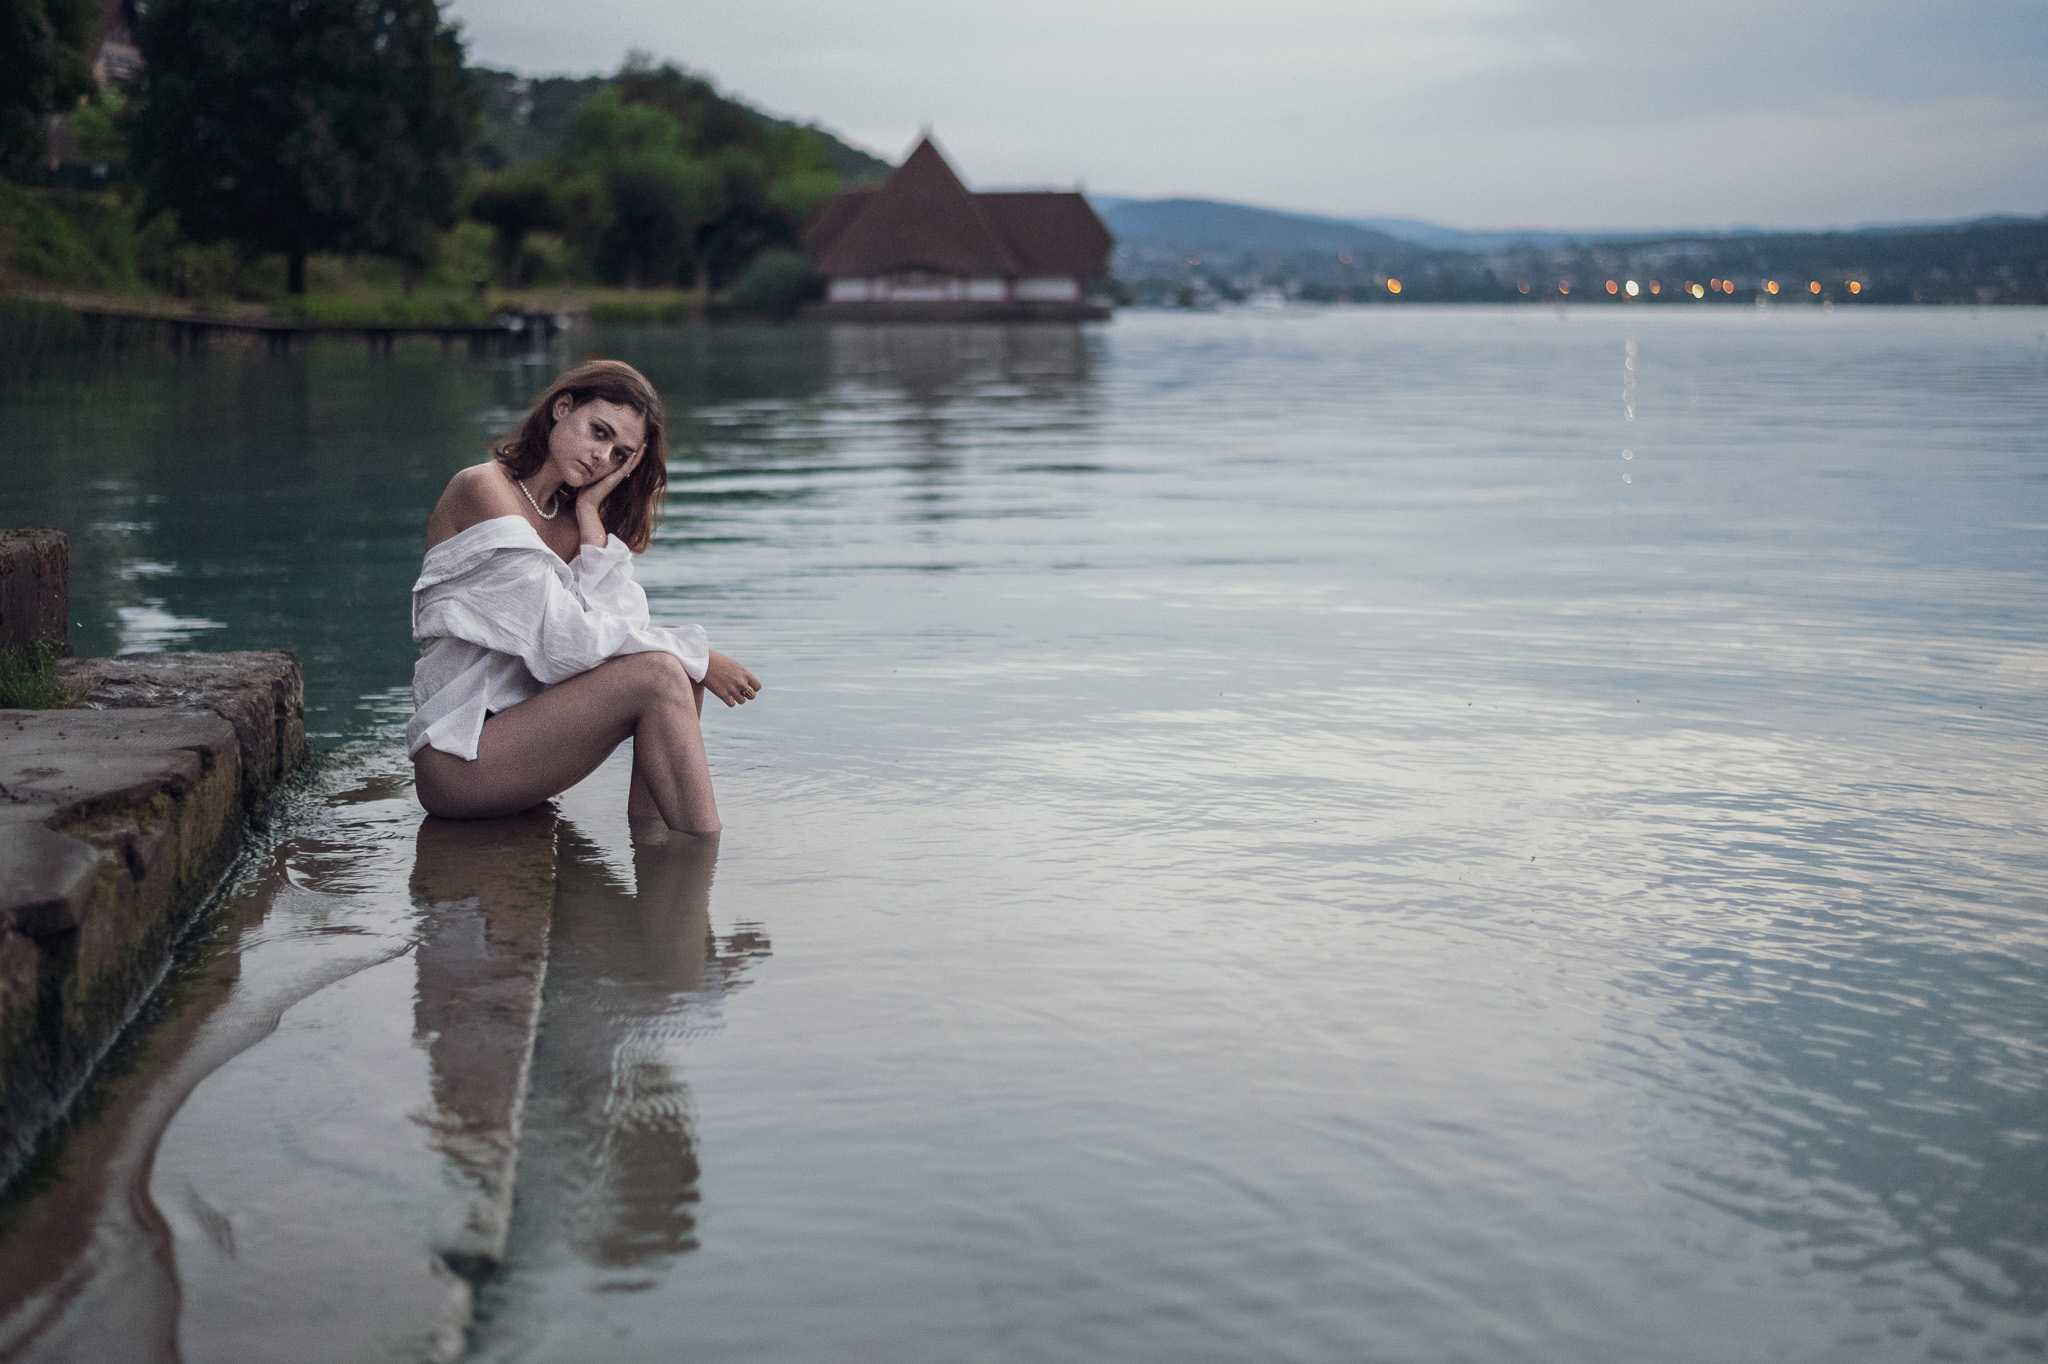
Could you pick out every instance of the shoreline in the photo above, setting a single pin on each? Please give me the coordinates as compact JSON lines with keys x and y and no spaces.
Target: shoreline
{"x":119,"y":813}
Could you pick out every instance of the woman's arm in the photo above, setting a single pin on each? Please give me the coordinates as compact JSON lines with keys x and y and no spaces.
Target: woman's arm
{"x":723,"y":677}
{"x":511,"y":599}
{"x":590,"y":497}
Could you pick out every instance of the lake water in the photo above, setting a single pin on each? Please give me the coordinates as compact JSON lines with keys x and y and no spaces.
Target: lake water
{"x":1409,"y":834}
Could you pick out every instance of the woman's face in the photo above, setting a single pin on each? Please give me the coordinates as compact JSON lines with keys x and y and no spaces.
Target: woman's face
{"x":590,"y":441}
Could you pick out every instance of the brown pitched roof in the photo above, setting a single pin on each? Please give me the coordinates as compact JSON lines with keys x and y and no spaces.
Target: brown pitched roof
{"x":923,"y":218}
{"x":1050,"y":233}
{"x":834,"y":215}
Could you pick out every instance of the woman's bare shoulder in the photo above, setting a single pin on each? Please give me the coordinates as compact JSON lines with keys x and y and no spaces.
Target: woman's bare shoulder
{"x":474,"y":495}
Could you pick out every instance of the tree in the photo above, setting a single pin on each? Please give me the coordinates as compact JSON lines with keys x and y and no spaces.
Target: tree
{"x":513,"y":204}
{"x":656,"y":194}
{"x":46,"y":50}
{"x":303,"y":125}
{"x":696,"y":185}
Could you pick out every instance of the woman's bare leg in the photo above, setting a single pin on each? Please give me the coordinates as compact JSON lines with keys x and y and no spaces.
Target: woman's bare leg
{"x":639,"y":798}
{"x":543,"y":746}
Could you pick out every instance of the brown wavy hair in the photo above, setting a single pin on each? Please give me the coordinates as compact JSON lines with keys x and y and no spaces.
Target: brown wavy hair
{"x":628,"y":511}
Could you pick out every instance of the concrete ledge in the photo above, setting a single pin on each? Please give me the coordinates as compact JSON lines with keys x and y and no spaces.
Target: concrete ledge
{"x":115,"y":824}
{"x":35,"y":589}
{"x":262,"y":694}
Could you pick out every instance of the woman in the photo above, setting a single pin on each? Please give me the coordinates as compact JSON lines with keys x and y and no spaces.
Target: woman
{"x":537,"y":656}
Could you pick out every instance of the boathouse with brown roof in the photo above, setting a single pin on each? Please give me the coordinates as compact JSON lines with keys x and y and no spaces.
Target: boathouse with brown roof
{"x":922,"y":245}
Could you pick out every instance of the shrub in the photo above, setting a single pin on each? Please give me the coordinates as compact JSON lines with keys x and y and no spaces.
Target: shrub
{"x":775,"y":285}
{"x":657,"y":305}
{"x":185,"y":269}
{"x":313,"y":308}
{"x":29,"y":681}
{"x":71,"y":240}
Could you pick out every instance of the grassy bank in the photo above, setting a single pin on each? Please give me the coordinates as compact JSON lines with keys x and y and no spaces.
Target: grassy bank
{"x":86,"y":250}
{"x":29,"y":681}
{"x":66,"y":240}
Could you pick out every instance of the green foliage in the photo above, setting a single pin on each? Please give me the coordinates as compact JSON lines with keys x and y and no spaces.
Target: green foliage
{"x":799,"y":195}
{"x":95,"y":128}
{"x":525,"y":119}
{"x":852,"y":165}
{"x":664,"y":182}
{"x":29,"y":681}
{"x":46,"y":50}
{"x":76,"y":241}
{"x":653,"y":305}
{"x":399,"y":309}
{"x":653,"y":192}
{"x":514,"y":204}
{"x":184,"y":269}
{"x":271,"y":146}
{"x":464,"y":257}
{"x":330,"y":125}
{"x":774,"y":286}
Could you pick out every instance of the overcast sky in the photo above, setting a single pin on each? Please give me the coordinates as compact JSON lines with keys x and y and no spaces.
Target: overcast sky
{"x":1475,"y":113}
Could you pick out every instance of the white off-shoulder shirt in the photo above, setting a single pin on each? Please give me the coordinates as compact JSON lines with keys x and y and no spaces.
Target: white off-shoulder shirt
{"x":499,"y":618}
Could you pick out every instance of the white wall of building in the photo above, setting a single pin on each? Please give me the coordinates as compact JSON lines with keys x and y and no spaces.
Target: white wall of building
{"x":1048,"y":289}
{"x":947,"y":289}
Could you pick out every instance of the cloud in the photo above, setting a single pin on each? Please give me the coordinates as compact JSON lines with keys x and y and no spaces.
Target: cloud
{"x":1559,"y":112}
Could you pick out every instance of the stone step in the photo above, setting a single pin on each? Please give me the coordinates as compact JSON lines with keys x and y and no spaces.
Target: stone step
{"x":116,"y":821}
{"x":114,"y":825}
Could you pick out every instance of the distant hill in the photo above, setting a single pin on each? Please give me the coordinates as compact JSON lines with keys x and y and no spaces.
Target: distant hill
{"x":528,"y":118}
{"x":1983,"y":263}
{"x":1171,"y":250}
{"x":1198,"y":223}
{"x":1223,"y":225}
{"x":1245,"y":227}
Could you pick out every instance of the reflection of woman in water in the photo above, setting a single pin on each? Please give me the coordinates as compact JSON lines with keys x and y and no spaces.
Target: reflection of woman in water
{"x":537,"y":657}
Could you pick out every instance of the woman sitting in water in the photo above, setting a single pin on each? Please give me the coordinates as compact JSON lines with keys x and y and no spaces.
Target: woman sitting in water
{"x":537,"y":656}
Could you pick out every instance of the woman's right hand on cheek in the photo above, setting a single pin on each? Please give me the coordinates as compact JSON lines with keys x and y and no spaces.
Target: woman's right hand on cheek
{"x":592,"y":495}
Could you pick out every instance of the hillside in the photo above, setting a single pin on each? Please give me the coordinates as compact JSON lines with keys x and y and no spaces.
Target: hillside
{"x":523,"y":119}
{"x":1171,"y":249}
{"x":1220,"y":224}
{"x":1199,"y":223}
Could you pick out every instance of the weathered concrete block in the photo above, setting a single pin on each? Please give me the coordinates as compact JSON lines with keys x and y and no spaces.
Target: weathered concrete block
{"x":113,"y":826}
{"x":35,"y":588}
{"x":261,"y":693}
{"x":20,"y":1009}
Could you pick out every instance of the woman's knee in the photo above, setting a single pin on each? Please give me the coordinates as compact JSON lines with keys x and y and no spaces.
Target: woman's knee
{"x":655,"y":675}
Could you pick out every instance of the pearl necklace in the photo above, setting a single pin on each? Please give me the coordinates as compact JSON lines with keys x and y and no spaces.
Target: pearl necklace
{"x":544,"y":515}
